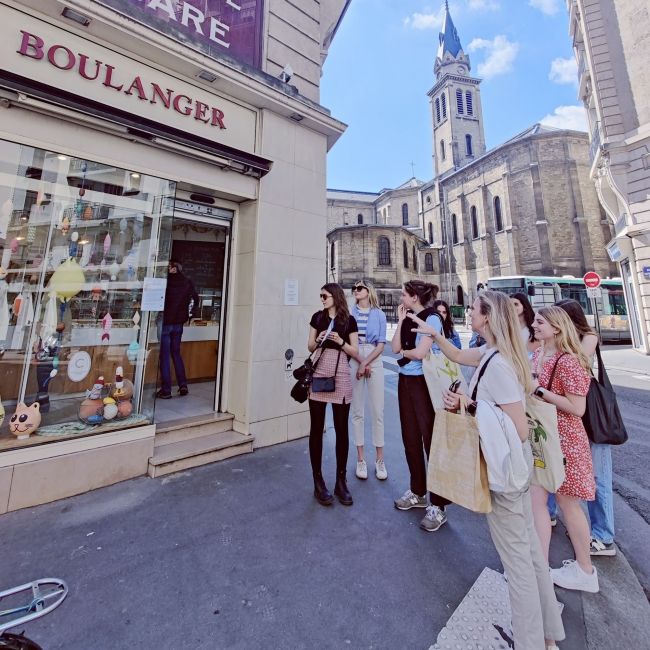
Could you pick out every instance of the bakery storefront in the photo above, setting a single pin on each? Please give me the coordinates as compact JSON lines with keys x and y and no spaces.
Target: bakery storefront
{"x":111,"y":166}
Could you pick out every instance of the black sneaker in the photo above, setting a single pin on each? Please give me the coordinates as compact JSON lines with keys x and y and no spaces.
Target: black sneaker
{"x":596,"y":547}
{"x":182,"y":391}
{"x":161,"y":394}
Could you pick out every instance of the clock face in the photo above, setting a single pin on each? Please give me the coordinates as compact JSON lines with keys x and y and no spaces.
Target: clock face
{"x":461,"y":69}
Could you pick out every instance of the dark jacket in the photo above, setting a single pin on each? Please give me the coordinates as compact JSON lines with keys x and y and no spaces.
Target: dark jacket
{"x":180,"y":292}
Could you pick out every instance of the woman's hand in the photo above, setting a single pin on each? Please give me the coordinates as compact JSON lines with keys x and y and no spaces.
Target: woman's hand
{"x":321,"y":336}
{"x":362,"y":370}
{"x":422,"y":326}
{"x":451,"y":400}
{"x":401,"y":312}
{"x":335,"y":337}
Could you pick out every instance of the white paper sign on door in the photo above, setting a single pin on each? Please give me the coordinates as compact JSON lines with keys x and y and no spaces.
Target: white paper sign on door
{"x":153,"y":294}
{"x":291,"y":292}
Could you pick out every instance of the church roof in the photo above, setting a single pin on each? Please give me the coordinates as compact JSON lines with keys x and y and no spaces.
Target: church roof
{"x":448,"y":37}
{"x":536,"y":129}
{"x":411,"y":182}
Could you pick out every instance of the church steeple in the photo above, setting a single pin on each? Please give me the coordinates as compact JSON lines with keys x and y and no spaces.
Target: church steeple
{"x":450,"y":49}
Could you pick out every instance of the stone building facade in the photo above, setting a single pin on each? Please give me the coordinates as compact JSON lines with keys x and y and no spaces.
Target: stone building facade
{"x":525,"y":207}
{"x":611,"y":45}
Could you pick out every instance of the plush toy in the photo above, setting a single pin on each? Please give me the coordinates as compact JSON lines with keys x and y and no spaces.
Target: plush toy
{"x":91,"y":411}
{"x":25,"y":420}
{"x":110,"y":408}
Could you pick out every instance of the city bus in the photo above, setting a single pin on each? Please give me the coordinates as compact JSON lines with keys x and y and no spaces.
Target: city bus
{"x":544,"y":291}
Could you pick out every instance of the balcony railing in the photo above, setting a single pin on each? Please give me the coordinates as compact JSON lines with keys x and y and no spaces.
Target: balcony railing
{"x":594,"y":145}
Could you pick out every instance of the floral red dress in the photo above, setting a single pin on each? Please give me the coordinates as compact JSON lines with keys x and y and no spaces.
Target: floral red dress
{"x":571,"y":378}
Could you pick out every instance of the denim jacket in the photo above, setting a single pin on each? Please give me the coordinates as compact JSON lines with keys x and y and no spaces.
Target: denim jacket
{"x":376,"y":330}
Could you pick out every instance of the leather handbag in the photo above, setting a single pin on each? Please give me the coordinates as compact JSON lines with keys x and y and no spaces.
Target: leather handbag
{"x":325,"y":384}
{"x":602,"y":419}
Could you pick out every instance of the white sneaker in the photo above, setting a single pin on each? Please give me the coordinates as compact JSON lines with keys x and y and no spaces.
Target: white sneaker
{"x":571,"y":576}
{"x":362,"y":470}
{"x":380,"y":470}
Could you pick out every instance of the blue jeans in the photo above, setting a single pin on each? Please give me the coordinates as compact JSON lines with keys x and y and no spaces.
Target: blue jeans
{"x":601,"y":510}
{"x":170,"y":346}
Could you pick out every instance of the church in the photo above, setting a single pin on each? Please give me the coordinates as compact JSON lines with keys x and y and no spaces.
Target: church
{"x":527,"y":206}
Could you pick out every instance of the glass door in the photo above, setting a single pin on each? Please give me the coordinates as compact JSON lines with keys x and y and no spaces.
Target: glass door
{"x":197,"y":247}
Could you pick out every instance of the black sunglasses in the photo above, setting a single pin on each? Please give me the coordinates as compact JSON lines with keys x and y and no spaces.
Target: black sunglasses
{"x":359,"y":287}
{"x":324,"y":296}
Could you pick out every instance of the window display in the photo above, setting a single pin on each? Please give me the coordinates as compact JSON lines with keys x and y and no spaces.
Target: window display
{"x":77,"y":240}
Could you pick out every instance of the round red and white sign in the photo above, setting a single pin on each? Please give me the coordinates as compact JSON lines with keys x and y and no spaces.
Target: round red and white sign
{"x":591,"y":280}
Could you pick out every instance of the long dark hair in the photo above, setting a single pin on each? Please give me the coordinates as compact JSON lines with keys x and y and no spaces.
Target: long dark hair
{"x":447,"y":323}
{"x":574,"y":309}
{"x":340,"y":303}
{"x":425,"y":291}
{"x":529,"y":313}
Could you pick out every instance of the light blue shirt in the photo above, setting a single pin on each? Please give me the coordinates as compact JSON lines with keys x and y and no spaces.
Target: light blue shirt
{"x":414,"y":367}
{"x":375,"y":327}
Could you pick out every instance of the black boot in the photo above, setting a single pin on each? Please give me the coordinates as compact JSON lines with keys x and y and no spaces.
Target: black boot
{"x":341,"y":489}
{"x":322,"y":494}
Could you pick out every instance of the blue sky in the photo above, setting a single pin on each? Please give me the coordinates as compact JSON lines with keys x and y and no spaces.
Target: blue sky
{"x":380,"y":67}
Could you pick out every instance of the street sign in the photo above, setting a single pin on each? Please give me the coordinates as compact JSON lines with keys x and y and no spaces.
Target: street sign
{"x":591,"y":280}
{"x":594,"y":292}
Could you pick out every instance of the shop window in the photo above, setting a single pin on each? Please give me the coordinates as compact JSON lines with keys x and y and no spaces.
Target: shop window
{"x":406,"y":255}
{"x":383,"y":252}
{"x":474,"y":220}
{"x":405,"y":214}
{"x":77,"y":241}
{"x":498,"y":218}
{"x":428,"y":263}
{"x":454,"y":229}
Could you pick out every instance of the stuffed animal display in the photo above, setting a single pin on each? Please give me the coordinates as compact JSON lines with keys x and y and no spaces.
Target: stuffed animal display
{"x":104,"y":402}
{"x":25,"y":420}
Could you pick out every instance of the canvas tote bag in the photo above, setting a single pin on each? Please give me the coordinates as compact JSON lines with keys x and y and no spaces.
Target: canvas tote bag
{"x":544,"y":438}
{"x":457,"y":469}
{"x":439,"y":373}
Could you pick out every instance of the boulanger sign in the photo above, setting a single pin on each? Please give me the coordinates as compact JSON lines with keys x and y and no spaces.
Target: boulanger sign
{"x":215,"y":27}
{"x":40,"y":52}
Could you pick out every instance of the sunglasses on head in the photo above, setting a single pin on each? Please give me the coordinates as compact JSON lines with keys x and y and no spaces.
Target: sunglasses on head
{"x":324,"y":296}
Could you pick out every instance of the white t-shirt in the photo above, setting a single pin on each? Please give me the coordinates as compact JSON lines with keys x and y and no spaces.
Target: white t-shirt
{"x":499,"y":384}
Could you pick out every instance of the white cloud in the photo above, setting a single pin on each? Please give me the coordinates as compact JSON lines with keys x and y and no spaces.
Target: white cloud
{"x":564,"y":71}
{"x":567,"y":117}
{"x":425,"y":21}
{"x":484,"y":5}
{"x":500,"y":55}
{"x":548,"y":7}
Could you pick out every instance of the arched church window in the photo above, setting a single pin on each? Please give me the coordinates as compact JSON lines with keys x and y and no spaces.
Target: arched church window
{"x":468,"y":145}
{"x":442,"y":150}
{"x":431,"y":232}
{"x":459,"y":101}
{"x":405,"y":250}
{"x":443,"y":230}
{"x":437,"y":109}
{"x":498,"y":217}
{"x":469,"y":103}
{"x":454,"y":229}
{"x":332,"y":255}
{"x":443,"y":103}
{"x":360,"y":219}
{"x":383,"y":250}
{"x":415,"y":259}
{"x":474,"y":219}
{"x":405,"y":214}
{"x":428,"y":262}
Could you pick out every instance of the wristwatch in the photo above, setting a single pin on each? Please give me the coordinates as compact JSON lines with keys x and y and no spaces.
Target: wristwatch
{"x":539,"y":392}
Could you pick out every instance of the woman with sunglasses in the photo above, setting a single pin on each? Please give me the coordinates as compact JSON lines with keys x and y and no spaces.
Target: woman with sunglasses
{"x":368,"y":375}
{"x":447,"y":324}
{"x":333,"y":332}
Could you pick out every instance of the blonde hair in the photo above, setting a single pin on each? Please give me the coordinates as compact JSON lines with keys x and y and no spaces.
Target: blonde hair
{"x":503,"y":323}
{"x":567,"y":339}
{"x":372,"y":294}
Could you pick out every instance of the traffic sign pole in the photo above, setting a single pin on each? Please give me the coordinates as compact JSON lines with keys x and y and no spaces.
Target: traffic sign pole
{"x":592,"y":282}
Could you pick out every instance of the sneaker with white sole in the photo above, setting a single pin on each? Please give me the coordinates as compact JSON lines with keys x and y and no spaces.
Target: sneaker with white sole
{"x":434,"y":518}
{"x":571,"y":576}
{"x":362,"y":470}
{"x":596,"y":547}
{"x":380,"y":470}
{"x":410,"y":500}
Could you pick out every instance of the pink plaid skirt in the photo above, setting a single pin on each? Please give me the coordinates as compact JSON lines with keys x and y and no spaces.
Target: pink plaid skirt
{"x":325,"y":368}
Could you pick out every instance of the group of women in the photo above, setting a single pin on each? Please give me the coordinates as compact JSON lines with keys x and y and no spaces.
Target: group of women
{"x":548,"y":354}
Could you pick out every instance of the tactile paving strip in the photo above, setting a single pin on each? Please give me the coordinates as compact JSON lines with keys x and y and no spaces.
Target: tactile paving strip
{"x":472,"y":625}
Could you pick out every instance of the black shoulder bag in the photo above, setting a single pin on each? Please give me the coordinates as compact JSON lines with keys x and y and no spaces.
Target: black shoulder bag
{"x":602,"y":418}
